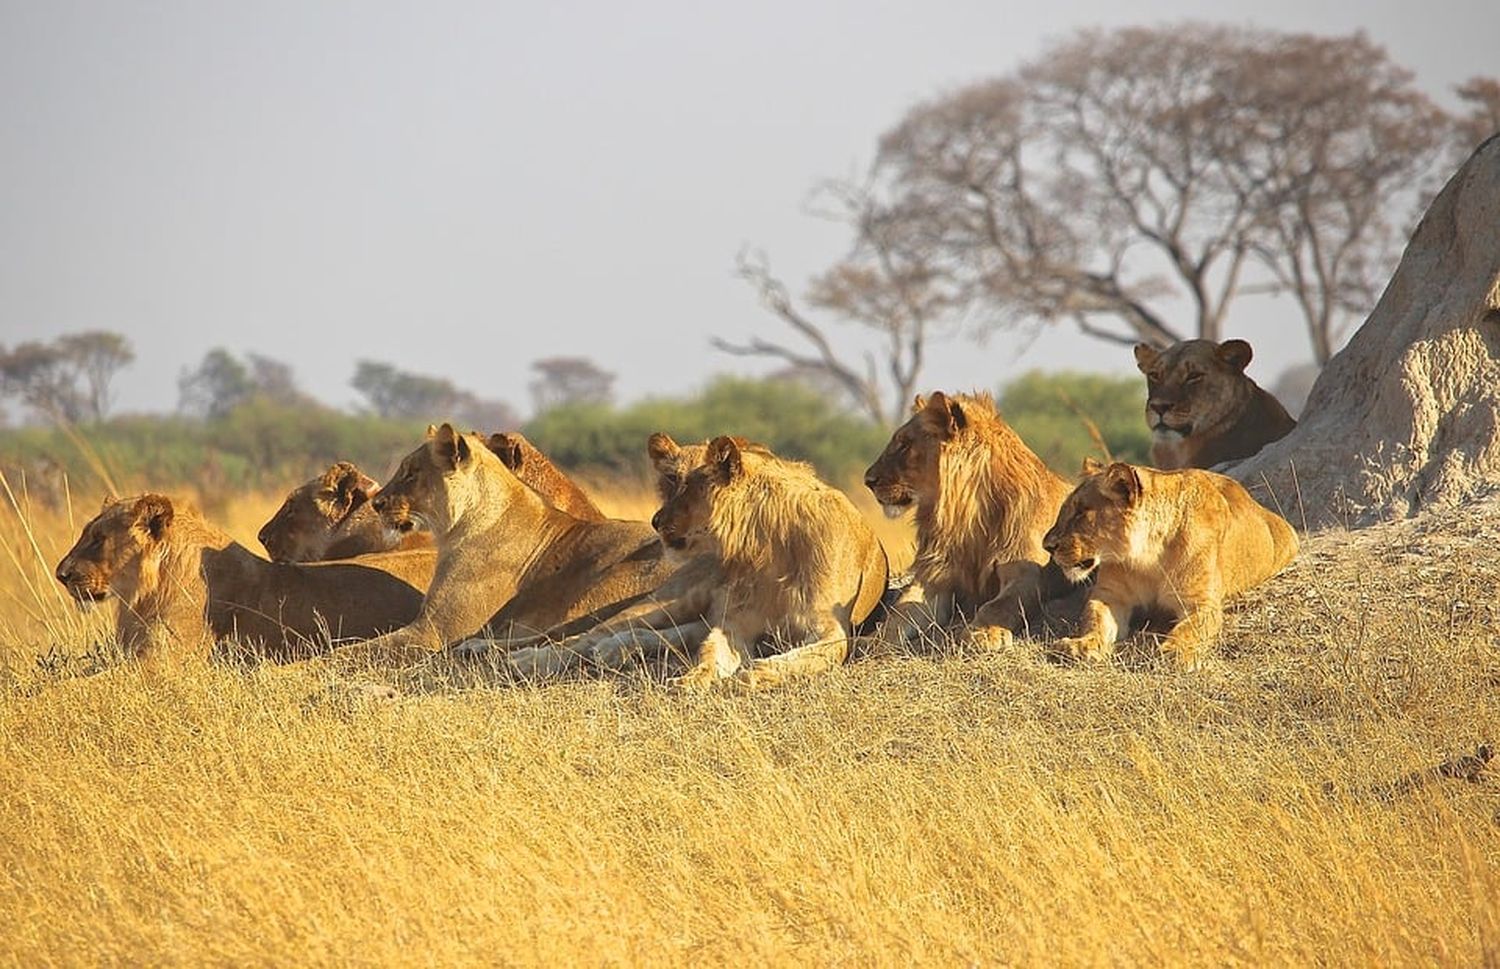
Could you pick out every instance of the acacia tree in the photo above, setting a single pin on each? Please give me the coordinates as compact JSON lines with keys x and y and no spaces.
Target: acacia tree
{"x":889,"y":283}
{"x":1136,"y":182}
{"x":569,"y":380}
{"x":69,"y":378}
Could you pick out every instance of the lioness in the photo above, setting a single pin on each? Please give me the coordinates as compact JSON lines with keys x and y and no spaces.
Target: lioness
{"x":1173,"y":542}
{"x":799,"y":564}
{"x":180,"y":583}
{"x":330,"y":517}
{"x":1201,"y":407}
{"x":508,"y":563}
{"x":983,"y":501}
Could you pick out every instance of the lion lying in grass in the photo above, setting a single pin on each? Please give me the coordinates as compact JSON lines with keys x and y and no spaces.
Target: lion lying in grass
{"x":330,"y":517}
{"x":1173,"y":542}
{"x":181,"y":583}
{"x":799,"y":564}
{"x":983,"y":501}
{"x":1202,"y":408}
{"x":509,"y":565}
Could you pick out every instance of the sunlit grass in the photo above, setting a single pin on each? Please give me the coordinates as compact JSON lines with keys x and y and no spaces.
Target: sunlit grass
{"x":961,"y":809}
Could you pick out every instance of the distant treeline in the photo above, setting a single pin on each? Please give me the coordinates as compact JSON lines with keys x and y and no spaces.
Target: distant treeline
{"x":265,"y":444}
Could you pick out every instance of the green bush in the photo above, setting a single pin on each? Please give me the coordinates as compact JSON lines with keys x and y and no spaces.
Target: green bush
{"x":1052,"y":411}
{"x":792,"y":420}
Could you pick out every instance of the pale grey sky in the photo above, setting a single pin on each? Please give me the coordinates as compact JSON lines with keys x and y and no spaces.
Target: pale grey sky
{"x":461,"y":188}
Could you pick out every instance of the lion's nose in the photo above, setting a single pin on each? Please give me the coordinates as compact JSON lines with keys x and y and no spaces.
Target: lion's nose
{"x":64,"y":573}
{"x":870,"y":480}
{"x":1160,"y":406}
{"x":656,"y":521}
{"x":1049,"y":543}
{"x":378,"y":503}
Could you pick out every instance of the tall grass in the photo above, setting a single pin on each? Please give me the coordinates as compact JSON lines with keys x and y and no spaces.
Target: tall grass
{"x":956,"y":809}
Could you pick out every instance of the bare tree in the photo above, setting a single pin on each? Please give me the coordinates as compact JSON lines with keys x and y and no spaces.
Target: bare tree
{"x":67,"y":379}
{"x":96,"y":356}
{"x":1481,"y":117}
{"x":889,"y":283}
{"x":1124,"y":170}
{"x":570,"y":380}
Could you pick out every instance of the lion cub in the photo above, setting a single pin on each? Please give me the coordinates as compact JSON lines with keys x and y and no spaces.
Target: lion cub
{"x":795,"y":556}
{"x":1178,"y":542}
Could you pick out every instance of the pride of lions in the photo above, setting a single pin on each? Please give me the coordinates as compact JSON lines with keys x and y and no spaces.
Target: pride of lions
{"x":753,"y":571}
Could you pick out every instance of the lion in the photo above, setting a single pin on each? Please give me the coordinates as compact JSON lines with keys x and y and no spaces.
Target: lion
{"x":1201,"y":407}
{"x":180,"y":583}
{"x":509,"y":565}
{"x":1163,"y":543}
{"x":983,"y":501}
{"x":330,"y":517}
{"x":538,"y":473}
{"x":799,"y":564}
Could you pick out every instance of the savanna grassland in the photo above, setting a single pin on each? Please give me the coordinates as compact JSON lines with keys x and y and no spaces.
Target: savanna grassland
{"x":1283,"y":805}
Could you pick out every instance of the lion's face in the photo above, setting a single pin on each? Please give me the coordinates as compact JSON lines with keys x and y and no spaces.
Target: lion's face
{"x":1192,"y":385}
{"x":428,"y":484}
{"x":682,"y":521}
{"x":1094,"y":523}
{"x":115,"y":545}
{"x":304,"y":525}
{"x":907,"y":472}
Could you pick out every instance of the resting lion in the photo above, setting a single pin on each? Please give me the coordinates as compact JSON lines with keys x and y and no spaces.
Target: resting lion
{"x":180,"y":583}
{"x":665,"y":621}
{"x":1163,"y":542}
{"x":330,"y":517}
{"x":983,"y":501}
{"x":509,"y":565}
{"x":799,"y":564}
{"x":1201,"y":407}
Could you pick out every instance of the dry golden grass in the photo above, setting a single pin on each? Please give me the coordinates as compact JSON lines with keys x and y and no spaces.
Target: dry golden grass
{"x":944,"y":809}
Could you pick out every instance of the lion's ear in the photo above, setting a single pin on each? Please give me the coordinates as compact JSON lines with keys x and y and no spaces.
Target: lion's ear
{"x":508,"y":450}
{"x":945,"y":413}
{"x":918,"y":404}
{"x":153,"y":513}
{"x":452,"y":448}
{"x":1236,"y":353}
{"x":109,"y":499}
{"x":660,"y":447}
{"x":432,"y":430}
{"x":1146,"y":356}
{"x":1123,"y":482}
{"x":353,"y":486}
{"x":724,"y":456}
{"x":1092,"y":466}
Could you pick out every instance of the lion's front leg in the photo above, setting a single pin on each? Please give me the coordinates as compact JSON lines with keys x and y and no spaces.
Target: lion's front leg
{"x":1102,"y":623}
{"x":997,"y":621}
{"x":399,"y":647}
{"x":916,"y":617}
{"x":825,"y":647}
{"x":1194,"y":633}
{"x":623,"y":647}
{"x":721,"y":654}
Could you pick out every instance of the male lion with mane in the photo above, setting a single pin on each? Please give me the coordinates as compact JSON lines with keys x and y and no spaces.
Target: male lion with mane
{"x":508,"y":563}
{"x":180,"y":583}
{"x":983,"y":501}
{"x":1172,"y":542}
{"x":799,"y":564}
{"x":1202,"y":408}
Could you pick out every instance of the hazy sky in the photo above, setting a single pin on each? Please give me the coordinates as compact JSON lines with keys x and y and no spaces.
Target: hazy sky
{"x":461,"y":188}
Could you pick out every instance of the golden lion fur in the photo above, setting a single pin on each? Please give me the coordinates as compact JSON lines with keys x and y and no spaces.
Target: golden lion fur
{"x":1173,"y":543}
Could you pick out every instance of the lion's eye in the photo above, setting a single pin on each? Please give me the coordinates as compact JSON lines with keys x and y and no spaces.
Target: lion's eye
{"x":1193,"y":378}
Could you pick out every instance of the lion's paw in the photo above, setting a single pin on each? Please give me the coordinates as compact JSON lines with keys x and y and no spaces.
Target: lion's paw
{"x":472,"y":649}
{"x":699,"y":678}
{"x":1079,"y":649}
{"x":987,"y":639}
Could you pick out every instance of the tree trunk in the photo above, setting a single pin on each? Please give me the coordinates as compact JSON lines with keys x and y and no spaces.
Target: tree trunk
{"x":1408,"y":414}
